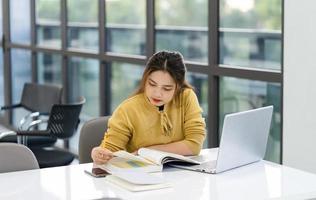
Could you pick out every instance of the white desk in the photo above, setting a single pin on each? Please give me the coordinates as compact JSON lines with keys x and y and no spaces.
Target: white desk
{"x":261,"y":180}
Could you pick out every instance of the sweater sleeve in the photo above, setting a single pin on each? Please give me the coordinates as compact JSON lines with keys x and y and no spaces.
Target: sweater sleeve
{"x":118,"y":133}
{"x":194,"y":124}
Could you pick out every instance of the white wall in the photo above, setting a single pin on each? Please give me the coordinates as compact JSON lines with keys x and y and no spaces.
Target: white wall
{"x":299,"y":109}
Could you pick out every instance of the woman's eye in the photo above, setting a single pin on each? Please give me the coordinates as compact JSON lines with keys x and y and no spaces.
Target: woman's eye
{"x":167,"y":89}
{"x":151,"y":84}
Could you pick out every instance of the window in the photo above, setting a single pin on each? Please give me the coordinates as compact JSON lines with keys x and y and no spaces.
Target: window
{"x":125,"y":30}
{"x":242,"y":94}
{"x":1,"y":80}
{"x":84,"y":81}
{"x":232,"y":49}
{"x":49,"y":68}
{"x":200,"y":83}
{"x":21,"y":73}
{"x":48,"y":23}
{"x":1,"y":63}
{"x":20,"y":21}
{"x":178,"y":30}
{"x":250,"y":33}
{"x":125,"y":79}
{"x":83,"y":24}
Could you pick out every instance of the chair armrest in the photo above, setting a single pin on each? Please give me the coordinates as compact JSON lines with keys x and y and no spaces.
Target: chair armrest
{"x":26,"y":118}
{"x":37,"y":122}
{"x":7,"y":133}
{"x":34,"y":133}
{"x":9,"y":107}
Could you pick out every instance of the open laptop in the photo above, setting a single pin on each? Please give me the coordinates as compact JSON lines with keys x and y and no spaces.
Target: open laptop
{"x":243,"y":141}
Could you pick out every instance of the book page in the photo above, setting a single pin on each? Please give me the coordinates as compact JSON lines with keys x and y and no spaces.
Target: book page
{"x":129,"y":156}
{"x":152,"y":155}
{"x":164,"y":157}
{"x":124,"y":161}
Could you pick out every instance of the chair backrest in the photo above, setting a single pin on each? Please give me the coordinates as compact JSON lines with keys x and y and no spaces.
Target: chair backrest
{"x":64,"y":119}
{"x":40,"y":97}
{"x":16,"y":157}
{"x":91,"y":135}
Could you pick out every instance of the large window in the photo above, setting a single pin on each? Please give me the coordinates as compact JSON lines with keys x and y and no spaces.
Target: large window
{"x":99,"y":48}
{"x":250,"y":38}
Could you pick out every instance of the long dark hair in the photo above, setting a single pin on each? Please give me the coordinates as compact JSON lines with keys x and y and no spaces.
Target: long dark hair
{"x":171,"y":62}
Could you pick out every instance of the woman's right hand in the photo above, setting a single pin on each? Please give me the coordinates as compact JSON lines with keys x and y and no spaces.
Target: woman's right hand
{"x":101,"y":155}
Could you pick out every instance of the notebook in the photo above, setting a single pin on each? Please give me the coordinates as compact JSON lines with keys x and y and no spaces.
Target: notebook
{"x":243,"y":141}
{"x":137,"y":181}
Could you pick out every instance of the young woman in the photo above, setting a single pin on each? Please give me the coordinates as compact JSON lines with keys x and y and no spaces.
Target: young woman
{"x":163,"y":114}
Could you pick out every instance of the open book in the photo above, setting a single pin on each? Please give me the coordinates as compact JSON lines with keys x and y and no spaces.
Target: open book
{"x":148,"y":160}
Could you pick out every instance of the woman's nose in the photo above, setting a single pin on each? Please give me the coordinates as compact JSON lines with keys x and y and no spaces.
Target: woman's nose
{"x":158,"y":92}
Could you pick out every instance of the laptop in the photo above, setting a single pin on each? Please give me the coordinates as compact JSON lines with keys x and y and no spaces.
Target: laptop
{"x":243,"y":141}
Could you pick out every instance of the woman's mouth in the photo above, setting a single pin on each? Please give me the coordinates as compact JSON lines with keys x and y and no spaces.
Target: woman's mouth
{"x":156,"y":100}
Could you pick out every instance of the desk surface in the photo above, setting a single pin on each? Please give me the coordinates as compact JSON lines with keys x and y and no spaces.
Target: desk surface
{"x":261,"y":180}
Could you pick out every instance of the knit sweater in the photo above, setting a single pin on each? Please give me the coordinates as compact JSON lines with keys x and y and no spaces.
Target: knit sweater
{"x":137,"y":123}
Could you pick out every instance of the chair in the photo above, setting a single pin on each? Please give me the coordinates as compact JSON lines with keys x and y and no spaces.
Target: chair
{"x":91,"y":135}
{"x":16,"y":157}
{"x":62,"y":124}
{"x":37,"y":99}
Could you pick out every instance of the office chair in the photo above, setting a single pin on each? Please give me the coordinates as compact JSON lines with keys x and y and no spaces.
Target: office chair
{"x":91,"y":135}
{"x":61,"y":124}
{"x":37,"y":99}
{"x":16,"y":157}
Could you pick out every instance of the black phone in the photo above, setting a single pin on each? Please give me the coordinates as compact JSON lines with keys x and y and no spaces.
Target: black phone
{"x":97,"y":172}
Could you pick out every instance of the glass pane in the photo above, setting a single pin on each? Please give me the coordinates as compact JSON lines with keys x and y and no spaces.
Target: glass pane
{"x":1,"y":65}
{"x":180,"y":31}
{"x":49,"y":68}
{"x":20,"y":21}
{"x":84,"y":81}
{"x":124,"y":81}
{"x":21,"y":73}
{"x":125,"y":30}
{"x":200,"y":84}
{"x":0,"y":17}
{"x":240,"y":94}
{"x":250,"y":33}
{"x":83,"y":28}
{"x":1,"y":81}
{"x":48,"y":23}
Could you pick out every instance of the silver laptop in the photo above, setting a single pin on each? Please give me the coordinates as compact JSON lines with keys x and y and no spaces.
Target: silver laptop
{"x":243,"y":141}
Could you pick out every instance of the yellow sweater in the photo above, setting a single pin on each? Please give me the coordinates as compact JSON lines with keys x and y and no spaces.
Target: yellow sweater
{"x":137,"y":123}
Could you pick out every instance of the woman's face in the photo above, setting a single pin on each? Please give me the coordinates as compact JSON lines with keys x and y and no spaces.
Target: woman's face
{"x":160,"y":88}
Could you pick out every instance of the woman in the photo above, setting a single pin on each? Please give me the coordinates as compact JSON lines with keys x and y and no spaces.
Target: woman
{"x":163,"y":114}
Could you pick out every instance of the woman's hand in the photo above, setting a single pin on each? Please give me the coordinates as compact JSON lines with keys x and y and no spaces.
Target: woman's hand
{"x":101,"y":155}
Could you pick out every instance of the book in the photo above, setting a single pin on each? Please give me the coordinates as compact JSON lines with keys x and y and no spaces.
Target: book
{"x":137,"y":181}
{"x":148,"y":160}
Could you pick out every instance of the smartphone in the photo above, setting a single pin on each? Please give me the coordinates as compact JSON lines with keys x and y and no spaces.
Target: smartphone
{"x":97,"y":172}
